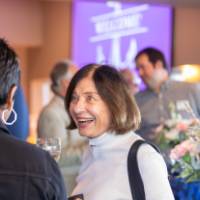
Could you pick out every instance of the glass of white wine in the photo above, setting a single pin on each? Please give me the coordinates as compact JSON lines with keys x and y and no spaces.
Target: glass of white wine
{"x":52,"y":145}
{"x":186,"y":112}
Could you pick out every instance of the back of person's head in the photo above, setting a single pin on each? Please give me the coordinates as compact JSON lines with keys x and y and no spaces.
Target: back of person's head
{"x":114,"y":91}
{"x":9,"y":70}
{"x":129,"y":77}
{"x":154,"y":55}
{"x":127,"y":74}
{"x":59,"y":72}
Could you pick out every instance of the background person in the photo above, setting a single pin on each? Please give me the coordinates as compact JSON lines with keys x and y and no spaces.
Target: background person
{"x":130,"y":79}
{"x":54,"y":119}
{"x":26,"y":172}
{"x":103,"y":109}
{"x":154,"y":102}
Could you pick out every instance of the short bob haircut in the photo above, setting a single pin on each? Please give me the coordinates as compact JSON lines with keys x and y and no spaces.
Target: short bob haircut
{"x":113,"y":89}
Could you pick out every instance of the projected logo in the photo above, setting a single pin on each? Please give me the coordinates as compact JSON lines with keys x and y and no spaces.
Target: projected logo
{"x":114,"y":26}
{"x":114,"y":32}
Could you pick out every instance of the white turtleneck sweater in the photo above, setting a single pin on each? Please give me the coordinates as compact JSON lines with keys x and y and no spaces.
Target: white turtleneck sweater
{"x":104,"y":175}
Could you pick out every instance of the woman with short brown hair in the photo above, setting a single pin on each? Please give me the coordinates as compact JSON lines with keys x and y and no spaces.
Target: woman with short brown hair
{"x":103,"y":110}
{"x":113,"y":90}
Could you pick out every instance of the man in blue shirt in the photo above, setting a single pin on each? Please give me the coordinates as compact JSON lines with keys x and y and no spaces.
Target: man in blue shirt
{"x":154,"y":102}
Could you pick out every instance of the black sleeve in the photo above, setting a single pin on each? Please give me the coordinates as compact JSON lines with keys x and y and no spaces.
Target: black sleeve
{"x":58,"y":191}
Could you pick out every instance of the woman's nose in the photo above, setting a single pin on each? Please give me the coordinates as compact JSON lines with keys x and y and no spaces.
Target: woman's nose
{"x":79,"y":106}
{"x":140,"y":71}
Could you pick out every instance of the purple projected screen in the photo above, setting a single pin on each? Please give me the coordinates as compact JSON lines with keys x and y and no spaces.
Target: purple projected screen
{"x":113,"y":32}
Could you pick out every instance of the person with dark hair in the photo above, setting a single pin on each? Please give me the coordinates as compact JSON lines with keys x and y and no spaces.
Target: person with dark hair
{"x":103,"y":109}
{"x":26,"y":172}
{"x":154,"y":55}
{"x":54,"y":119}
{"x":154,"y":102}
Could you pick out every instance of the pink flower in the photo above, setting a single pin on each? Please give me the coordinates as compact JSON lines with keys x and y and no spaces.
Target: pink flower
{"x":180,"y":150}
{"x":174,"y":155}
{"x":182,"y":126}
{"x":172,"y":134}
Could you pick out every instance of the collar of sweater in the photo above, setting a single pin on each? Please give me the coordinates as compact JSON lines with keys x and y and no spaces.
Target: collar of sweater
{"x":102,"y":139}
{"x":111,"y":142}
{"x":109,"y":138}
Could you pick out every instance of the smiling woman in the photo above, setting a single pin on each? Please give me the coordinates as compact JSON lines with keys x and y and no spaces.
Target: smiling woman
{"x":103,"y":87}
{"x":103,"y":109}
{"x":89,"y":111}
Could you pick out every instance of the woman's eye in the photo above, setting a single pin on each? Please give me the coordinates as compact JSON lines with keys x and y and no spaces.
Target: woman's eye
{"x":74,"y":98}
{"x":90,"y":98}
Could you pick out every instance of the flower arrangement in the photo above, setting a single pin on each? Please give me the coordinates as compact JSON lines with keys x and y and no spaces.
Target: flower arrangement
{"x":179,"y":140}
{"x":172,"y":132}
{"x":185,"y":157}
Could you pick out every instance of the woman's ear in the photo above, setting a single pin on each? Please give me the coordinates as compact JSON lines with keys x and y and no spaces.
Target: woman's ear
{"x":10,"y":98}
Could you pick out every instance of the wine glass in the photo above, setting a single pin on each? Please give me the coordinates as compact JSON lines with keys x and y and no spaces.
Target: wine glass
{"x":184,"y":110}
{"x":52,"y":145}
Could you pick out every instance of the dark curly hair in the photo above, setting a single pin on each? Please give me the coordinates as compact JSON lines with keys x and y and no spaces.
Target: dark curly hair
{"x":9,"y":70}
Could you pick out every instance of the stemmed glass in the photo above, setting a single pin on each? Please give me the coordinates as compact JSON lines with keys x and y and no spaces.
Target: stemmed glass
{"x":184,"y":110}
{"x":52,"y":145}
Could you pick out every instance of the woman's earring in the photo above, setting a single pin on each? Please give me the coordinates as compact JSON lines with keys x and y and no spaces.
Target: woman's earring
{"x":3,"y":117}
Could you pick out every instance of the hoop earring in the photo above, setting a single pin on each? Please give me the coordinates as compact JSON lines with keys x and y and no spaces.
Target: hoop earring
{"x":3,"y":117}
